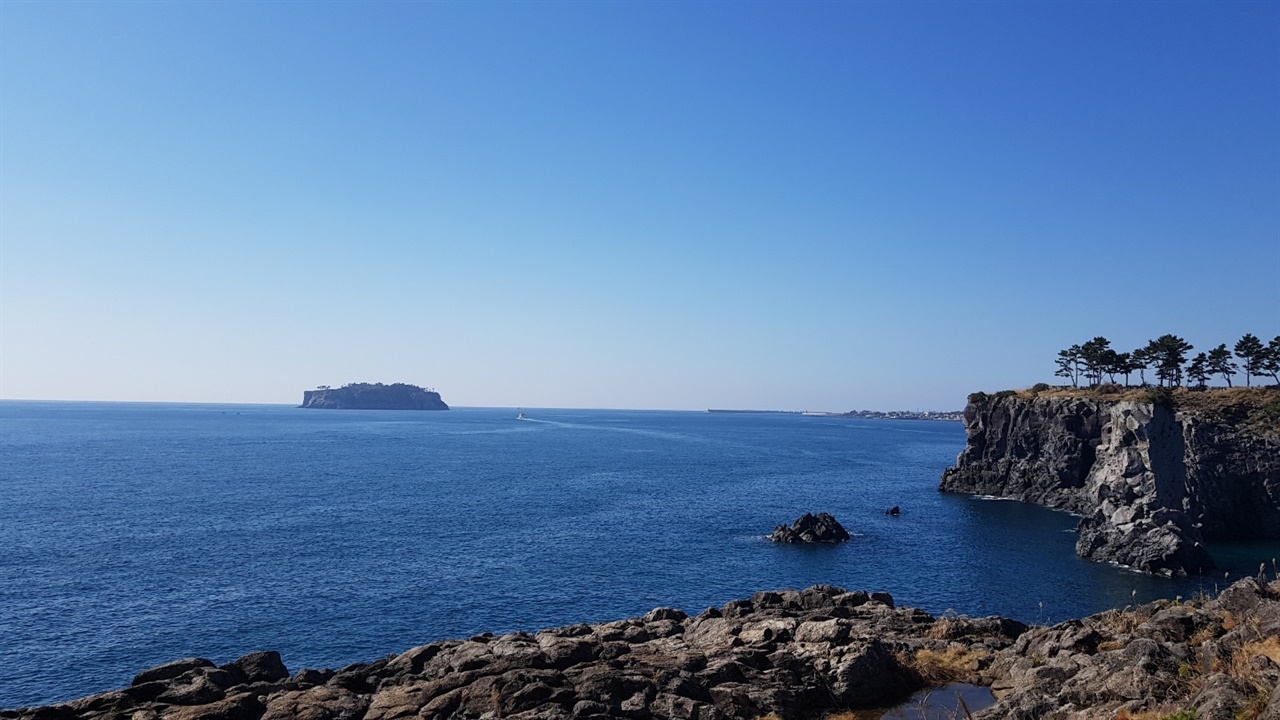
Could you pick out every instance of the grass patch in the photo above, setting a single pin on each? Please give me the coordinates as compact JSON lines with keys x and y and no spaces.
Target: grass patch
{"x":954,"y":664}
{"x":1257,"y":407}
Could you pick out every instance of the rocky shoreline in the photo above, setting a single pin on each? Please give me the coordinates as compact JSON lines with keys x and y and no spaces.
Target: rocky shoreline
{"x":1152,"y":482}
{"x":784,"y":655}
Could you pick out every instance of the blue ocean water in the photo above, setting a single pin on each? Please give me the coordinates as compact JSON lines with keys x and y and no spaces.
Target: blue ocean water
{"x":134,"y":534}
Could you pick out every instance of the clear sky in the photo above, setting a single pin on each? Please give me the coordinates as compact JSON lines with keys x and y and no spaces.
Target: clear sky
{"x":820,"y":206}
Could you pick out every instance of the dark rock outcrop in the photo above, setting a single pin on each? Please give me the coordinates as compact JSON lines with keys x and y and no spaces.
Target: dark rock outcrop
{"x":810,"y":528}
{"x":1213,"y":660}
{"x":1153,"y":484}
{"x":797,"y":653}
{"x":373,"y":396}
{"x":794,"y":654}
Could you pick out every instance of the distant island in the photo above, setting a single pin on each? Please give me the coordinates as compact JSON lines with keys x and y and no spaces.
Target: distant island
{"x":373,"y":396}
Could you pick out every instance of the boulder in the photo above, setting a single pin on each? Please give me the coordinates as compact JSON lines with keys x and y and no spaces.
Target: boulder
{"x":262,"y":666}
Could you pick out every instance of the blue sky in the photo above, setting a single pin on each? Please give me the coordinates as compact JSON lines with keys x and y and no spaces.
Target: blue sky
{"x":820,"y":206}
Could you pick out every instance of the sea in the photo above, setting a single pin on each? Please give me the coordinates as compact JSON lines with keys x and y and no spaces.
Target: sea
{"x":132,"y":534}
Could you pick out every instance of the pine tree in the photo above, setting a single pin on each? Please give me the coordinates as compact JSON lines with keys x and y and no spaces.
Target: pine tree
{"x":1251,"y":350}
{"x":1271,"y":363}
{"x":1125,"y":365}
{"x":1094,"y":356}
{"x":1142,"y":359}
{"x":1171,"y":355}
{"x":1068,"y":363}
{"x":1198,"y":370}
{"x":1220,"y":363}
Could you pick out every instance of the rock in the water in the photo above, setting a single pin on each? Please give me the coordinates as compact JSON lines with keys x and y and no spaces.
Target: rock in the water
{"x":810,"y":528}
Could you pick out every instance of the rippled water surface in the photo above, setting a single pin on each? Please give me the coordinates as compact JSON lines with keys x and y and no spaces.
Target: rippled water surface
{"x":134,"y":534}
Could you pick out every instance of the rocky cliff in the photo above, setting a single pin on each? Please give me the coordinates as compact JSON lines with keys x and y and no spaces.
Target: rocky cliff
{"x":790,"y":655}
{"x":1153,"y":482}
{"x":373,"y":396}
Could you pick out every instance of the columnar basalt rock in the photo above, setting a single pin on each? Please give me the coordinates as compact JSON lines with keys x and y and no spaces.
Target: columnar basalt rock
{"x":1153,"y":484}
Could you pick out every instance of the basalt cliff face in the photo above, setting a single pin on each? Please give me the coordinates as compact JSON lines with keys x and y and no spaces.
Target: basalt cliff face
{"x":1152,"y":483}
{"x":373,"y":396}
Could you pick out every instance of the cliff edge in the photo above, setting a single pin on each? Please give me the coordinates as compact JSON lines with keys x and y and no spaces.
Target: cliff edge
{"x":1152,"y":481}
{"x":373,"y":396}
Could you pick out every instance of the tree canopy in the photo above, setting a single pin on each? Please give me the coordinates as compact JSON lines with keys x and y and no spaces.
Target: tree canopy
{"x":1090,"y":361}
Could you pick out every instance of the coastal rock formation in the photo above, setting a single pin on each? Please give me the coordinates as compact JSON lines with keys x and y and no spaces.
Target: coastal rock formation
{"x":373,"y":396}
{"x":792,"y":654}
{"x":1212,"y":660}
{"x":796,"y":653}
{"x":1152,"y":483}
{"x":810,"y":528}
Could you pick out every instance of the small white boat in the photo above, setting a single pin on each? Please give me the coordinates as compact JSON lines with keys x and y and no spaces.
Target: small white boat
{"x":521,"y":417}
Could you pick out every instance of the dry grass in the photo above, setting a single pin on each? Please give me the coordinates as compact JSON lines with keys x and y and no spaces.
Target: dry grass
{"x":941,"y":629}
{"x":954,"y":664}
{"x":1160,"y":713}
{"x":1203,"y":635}
{"x":1258,"y":407}
{"x":1122,"y":622}
{"x":1268,"y":647}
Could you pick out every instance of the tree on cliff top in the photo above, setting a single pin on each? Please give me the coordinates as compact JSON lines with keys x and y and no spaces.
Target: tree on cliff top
{"x":1068,"y":363}
{"x":1125,"y":364}
{"x":1271,"y":365}
{"x":1251,"y":350}
{"x":1220,"y":363}
{"x":1141,"y":361}
{"x":1170,"y":352}
{"x":1098,"y":358}
{"x":1198,"y":370}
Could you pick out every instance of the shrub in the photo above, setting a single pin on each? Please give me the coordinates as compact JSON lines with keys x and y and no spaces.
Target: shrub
{"x":1160,"y":395}
{"x":977,"y":398}
{"x":1041,"y":387}
{"x":1006,"y":393}
{"x":1110,"y":389}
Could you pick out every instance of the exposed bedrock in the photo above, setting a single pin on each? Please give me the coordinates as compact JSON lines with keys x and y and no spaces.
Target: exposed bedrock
{"x":792,"y":655}
{"x":1153,"y":484}
{"x":796,"y":653}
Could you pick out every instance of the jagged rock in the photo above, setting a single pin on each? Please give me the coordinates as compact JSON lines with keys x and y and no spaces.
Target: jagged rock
{"x":810,"y":528}
{"x":1153,"y":484}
